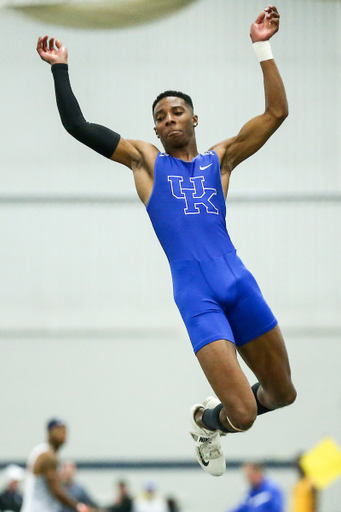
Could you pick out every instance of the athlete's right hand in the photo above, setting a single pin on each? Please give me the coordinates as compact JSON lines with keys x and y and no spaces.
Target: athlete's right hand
{"x":266,"y":25}
{"x":51,"y":51}
{"x":82,"y":508}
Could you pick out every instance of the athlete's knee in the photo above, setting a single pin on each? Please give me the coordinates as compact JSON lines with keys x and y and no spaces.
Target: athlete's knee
{"x":290,"y":396}
{"x":242,"y":417}
{"x":286,"y":396}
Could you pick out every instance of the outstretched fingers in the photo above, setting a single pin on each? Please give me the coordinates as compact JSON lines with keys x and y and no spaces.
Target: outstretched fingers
{"x":44,"y":43}
{"x":41,"y":46}
{"x":260,"y":18}
{"x":272,"y":14}
{"x":269,"y":13}
{"x":273,"y":8}
{"x":51,"y":44}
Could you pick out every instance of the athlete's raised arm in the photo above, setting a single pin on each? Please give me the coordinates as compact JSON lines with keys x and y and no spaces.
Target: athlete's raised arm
{"x":256,"y":132}
{"x":99,"y":138}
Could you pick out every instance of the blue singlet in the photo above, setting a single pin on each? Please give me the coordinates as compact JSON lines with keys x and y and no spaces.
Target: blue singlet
{"x":217,"y":296}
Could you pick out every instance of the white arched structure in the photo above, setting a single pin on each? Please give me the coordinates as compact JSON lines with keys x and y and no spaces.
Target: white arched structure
{"x":102,"y":14}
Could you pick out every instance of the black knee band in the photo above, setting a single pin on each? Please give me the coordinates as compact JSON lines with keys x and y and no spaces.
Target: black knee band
{"x":261,"y":409}
{"x":211,"y":418}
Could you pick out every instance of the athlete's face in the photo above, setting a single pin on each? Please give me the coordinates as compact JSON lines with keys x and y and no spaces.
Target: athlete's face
{"x":174,"y":122}
{"x":57,"y":435}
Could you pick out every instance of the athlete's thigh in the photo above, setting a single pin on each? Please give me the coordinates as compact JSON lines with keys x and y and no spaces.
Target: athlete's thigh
{"x":204,"y":317}
{"x":267,"y":357}
{"x":250,"y":316}
{"x":221,"y":367}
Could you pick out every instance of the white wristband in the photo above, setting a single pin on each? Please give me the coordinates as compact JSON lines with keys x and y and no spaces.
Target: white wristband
{"x":263,"y":50}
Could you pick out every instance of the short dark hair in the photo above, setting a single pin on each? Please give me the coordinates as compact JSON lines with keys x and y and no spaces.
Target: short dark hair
{"x":177,"y":94}
{"x":55,"y":422}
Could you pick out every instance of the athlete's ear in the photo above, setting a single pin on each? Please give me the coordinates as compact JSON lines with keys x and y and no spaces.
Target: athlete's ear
{"x":195,"y":120}
{"x":155,"y":130}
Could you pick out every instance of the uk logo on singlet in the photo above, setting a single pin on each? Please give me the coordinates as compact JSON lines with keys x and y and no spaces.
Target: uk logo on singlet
{"x":195,"y":196}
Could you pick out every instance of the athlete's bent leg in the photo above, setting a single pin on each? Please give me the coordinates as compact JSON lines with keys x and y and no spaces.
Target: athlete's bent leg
{"x":267,"y":357}
{"x":221,"y":367}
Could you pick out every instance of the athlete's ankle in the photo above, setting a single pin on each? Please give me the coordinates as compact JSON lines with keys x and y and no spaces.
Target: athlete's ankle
{"x":198,"y":419}
{"x":261,"y":409}
{"x":211,"y":419}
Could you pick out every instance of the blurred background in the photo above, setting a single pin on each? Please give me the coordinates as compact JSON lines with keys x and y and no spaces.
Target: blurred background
{"x":88,"y":327}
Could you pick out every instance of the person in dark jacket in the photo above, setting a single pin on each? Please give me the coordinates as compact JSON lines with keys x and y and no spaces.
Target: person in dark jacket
{"x":11,"y":497}
{"x":123,"y":502}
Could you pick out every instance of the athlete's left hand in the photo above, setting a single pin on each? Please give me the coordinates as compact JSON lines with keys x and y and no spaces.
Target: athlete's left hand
{"x":52,"y":51}
{"x":266,"y":25}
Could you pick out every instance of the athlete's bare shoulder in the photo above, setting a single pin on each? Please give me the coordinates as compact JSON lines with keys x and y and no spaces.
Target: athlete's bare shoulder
{"x":140,"y":157}
{"x":221,"y":149}
{"x":136,"y":154}
{"x":147,"y":150}
{"x":45,"y":461}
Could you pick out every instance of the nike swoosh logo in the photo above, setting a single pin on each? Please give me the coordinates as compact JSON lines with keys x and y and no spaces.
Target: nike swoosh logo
{"x":205,"y":462}
{"x":206,"y":167}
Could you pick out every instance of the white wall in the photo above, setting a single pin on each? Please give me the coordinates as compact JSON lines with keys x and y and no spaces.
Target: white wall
{"x":88,"y":328}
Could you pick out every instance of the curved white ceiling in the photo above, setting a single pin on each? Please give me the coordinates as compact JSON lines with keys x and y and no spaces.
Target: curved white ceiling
{"x":103,"y":14}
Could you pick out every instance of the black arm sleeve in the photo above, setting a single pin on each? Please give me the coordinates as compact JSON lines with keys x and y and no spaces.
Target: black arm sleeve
{"x":95,"y":136}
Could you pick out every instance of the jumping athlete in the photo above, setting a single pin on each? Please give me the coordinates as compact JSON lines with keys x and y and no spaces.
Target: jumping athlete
{"x":184,"y":193}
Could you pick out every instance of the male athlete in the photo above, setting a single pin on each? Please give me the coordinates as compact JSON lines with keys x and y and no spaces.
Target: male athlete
{"x":184,"y":193}
{"x":43,"y":491}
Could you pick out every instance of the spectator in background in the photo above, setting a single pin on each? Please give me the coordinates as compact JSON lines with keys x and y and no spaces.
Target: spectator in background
{"x":149,"y":501}
{"x":43,"y":490}
{"x":11,"y":497}
{"x":172,"y":505}
{"x":304,"y":494}
{"x":123,"y":502}
{"x":73,"y":488}
{"x":264,"y":495}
